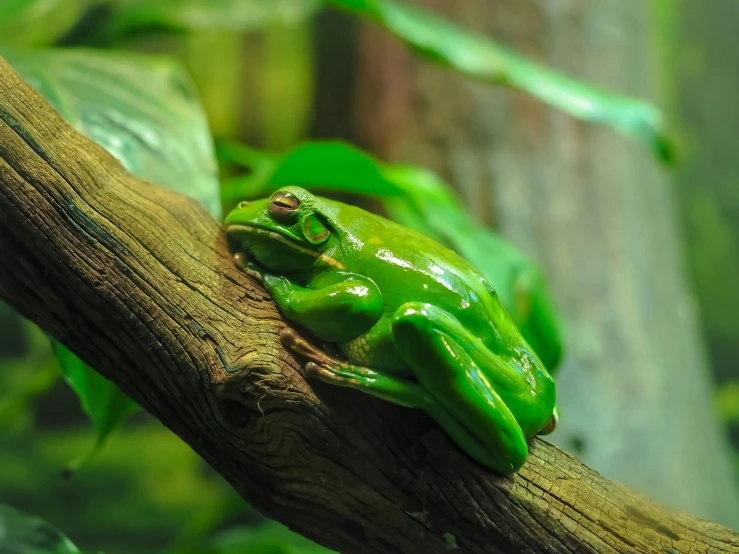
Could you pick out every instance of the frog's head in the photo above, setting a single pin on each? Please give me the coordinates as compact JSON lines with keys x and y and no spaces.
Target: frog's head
{"x":288,"y":232}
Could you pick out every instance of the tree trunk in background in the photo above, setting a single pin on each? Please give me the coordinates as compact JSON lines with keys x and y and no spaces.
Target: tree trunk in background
{"x":703,"y":93}
{"x":597,"y":214}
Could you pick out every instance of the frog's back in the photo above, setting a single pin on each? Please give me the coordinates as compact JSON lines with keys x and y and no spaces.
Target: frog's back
{"x":410,"y":267}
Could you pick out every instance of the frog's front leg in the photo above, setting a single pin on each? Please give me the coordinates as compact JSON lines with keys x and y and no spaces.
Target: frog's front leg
{"x":344,"y":374}
{"x":469,"y":384}
{"x":334,"y":307}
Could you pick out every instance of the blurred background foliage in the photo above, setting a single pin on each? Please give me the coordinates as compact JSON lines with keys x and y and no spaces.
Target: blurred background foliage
{"x":229,"y":99}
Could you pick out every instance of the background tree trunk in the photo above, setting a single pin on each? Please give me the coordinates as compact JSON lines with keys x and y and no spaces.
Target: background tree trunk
{"x":597,"y":214}
{"x":700,"y":50}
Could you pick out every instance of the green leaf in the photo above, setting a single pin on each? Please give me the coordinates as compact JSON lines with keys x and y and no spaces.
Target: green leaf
{"x":25,"y":534}
{"x":268,"y":538}
{"x":476,"y":55}
{"x":727,"y":401}
{"x":105,"y":404}
{"x":416,"y":198}
{"x":187,"y":15}
{"x":24,"y":376}
{"x":25,"y":23}
{"x":141,"y":108}
{"x":331,"y":165}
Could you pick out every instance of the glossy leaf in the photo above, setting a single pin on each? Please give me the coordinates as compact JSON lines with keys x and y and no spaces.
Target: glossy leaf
{"x":25,"y":23}
{"x":327,"y":165}
{"x":416,"y":198}
{"x":105,"y":404}
{"x":480,"y":57}
{"x":21,"y":533}
{"x":141,"y":108}
{"x":183,"y":15}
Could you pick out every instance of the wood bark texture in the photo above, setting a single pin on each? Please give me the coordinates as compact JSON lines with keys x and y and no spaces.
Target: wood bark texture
{"x":139,"y":282}
{"x":595,"y":211}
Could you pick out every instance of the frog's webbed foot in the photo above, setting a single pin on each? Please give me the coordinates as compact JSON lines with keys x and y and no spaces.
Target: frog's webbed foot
{"x":292,"y":340}
{"x":323,"y":367}
{"x":332,"y":351}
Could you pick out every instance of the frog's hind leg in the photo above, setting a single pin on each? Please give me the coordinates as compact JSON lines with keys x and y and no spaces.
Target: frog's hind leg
{"x":344,"y":374}
{"x":438,"y":349}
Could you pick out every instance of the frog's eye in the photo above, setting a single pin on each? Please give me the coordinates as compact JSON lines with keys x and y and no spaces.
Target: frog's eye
{"x":283,"y":205}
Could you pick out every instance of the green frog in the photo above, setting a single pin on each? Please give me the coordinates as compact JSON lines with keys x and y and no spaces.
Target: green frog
{"x":413,"y":322}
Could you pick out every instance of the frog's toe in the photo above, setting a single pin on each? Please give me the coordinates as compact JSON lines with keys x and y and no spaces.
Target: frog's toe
{"x":551,"y":424}
{"x":325,"y":373}
{"x":292,"y":340}
{"x":240,"y":260}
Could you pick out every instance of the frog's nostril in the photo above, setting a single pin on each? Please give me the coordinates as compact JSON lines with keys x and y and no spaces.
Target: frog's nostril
{"x":243,"y":204}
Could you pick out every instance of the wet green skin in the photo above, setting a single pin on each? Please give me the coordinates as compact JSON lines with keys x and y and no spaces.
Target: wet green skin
{"x":418,"y":325}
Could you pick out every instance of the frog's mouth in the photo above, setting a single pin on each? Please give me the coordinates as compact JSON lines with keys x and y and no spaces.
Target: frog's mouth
{"x":238,"y":229}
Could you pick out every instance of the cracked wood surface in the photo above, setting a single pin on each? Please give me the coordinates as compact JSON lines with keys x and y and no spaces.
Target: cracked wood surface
{"x":138,"y":281}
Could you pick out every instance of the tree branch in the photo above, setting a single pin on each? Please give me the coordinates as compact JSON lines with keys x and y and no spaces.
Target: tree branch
{"x":138,"y":281}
